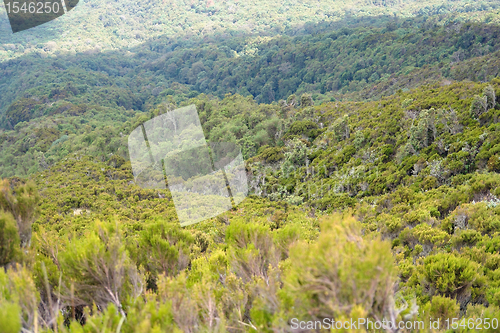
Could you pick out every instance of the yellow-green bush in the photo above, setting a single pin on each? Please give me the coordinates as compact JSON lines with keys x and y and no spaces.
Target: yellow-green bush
{"x":334,"y":276}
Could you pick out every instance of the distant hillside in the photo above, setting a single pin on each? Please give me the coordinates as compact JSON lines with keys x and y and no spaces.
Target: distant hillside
{"x":87,"y":103}
{"x":375,"y":56}
{"x":104,"y":25}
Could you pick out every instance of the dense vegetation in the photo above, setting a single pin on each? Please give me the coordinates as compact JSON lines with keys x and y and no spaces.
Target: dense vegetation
{"x":330,"y":53}
{"x":422,"y":188}
{"x":373,"y":161}
{"x":98,"y":26}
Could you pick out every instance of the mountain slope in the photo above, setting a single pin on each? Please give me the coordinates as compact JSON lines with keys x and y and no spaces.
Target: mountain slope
{"x":326,"y":64}
{"x":95,"y":24}
{"x":419,"y":169}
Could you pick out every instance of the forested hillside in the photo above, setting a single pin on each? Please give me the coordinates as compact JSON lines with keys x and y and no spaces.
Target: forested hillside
{"x":326,"y":59}
{"x":96,"y":25}
{"x":417,"y":170}
{"x":104,"y":90}
{"x":371,"y":137}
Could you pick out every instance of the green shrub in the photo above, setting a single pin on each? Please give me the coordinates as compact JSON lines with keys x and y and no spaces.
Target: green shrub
{"x":252,"y":250}
{"x":493,"y":296}
{"x":429,"y":183}
{"x":9,"y":238}
{"x":494,"y":163}
{"x":467,"y":237}
{"x":306,"y":100}
{"x":444,"y":308}
{"x":10,"y":317}
{"x":340,"y":272}
{"x":423,"y":133}
{"x":489,"y":93}
{"x":479,"y":106}
{"x":416,"y":216}
{"x":340,"y":128}
{"x":301,"y":128}
{"x":392,"y":223}
{"x":97,"y":269}
{"x":163,"y":248}
{"x":450,"y":275}
{"x":427,"y":234}
{"x":22,"y":203}
{"x":19,"y":299}
{"x":272,"y":154}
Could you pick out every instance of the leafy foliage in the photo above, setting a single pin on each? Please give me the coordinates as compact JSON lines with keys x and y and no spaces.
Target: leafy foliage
{"x":372,"y":150}
{"x":9,"y":238}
